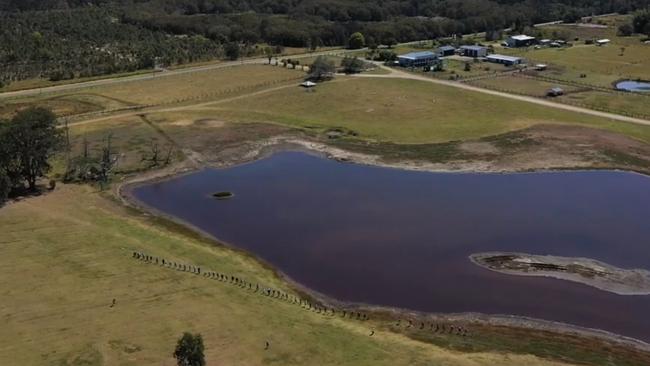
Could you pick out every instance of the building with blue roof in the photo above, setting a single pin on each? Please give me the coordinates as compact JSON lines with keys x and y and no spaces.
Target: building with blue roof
{"x":417,"y":59}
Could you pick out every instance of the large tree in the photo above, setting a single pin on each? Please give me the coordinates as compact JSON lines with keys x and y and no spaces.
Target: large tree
{"x":189,"y":350}
{"x":356,"y":41}
{"x":31,"y":138}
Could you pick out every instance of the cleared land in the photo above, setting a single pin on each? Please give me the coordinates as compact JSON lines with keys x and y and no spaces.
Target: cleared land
{"x":70,"y":251}
{"x":624,"y":57}
{"x":187,"y":85}
{"x":406,"y":111}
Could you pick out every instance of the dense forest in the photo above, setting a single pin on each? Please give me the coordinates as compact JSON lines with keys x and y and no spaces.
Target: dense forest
{"x":61,"y":39}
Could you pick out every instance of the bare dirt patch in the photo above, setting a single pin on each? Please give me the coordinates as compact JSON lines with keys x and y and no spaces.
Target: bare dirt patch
{"x":207,"y":122}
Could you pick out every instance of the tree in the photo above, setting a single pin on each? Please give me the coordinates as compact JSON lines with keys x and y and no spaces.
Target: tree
{"x":322,"y":68}
{"x":356,"y":41}
{"x":232,"y":50}
{"x":32,"y":138}
{"x":468,"y":66}
{"x":352,"y":65}
{"x":5,"y":186}
{"x":189,"y":350}
{"x":641,"y":22}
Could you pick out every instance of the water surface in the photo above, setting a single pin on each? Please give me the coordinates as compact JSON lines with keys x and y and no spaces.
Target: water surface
{"x":402,"y":238}
{"x":633,"y":86}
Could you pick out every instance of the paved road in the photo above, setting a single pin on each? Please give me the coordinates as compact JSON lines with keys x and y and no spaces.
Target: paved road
{"x":406,"y":75}
{"x":140,"y":77}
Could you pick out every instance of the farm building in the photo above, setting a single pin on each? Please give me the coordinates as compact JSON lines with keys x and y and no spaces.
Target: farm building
{"x":473,"y":51}
{"x":417,"y":59}
{"x":446,"y":51}
{"x":505,"y":60}
{"x":521,"y":40}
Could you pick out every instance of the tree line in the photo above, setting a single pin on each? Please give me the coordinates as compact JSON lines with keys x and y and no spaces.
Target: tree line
{"x":63,"y":39}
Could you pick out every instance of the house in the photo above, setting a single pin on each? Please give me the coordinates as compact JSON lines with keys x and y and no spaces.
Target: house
{"x":446,"y":51}
{"x":521,"y":40}
{"x":602,"y":42}
{"x":555,"y":92}
{"x":473,"y":51}
{"x":417,"y":59}
{"x":505,"y":60}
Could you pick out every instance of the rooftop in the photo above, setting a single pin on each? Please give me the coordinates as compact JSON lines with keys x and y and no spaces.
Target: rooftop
{"x":504,"y":58}
{"x":522,"y":37}
{"x":446,"y":48}
{"x":477,"y":48}
{"x":418,"y":55}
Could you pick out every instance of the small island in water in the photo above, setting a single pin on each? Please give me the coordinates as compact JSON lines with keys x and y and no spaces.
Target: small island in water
{"x":583,"y":270}
{"x":224,"y":195}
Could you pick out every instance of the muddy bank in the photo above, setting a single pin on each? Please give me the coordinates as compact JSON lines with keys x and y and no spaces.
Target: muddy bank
{"x":582,"y":270}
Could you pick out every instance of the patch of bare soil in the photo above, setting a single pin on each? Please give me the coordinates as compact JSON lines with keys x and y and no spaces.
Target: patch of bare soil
{"x":479,"y":147}
{"x":208,"y":122}
{"x":582,"y":270}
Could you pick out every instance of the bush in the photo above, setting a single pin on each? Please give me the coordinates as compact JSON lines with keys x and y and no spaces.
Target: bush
{"x":352,"y":65}
{"x":189,"y":350}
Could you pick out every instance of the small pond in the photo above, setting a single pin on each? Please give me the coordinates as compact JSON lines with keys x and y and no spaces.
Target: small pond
{"x":402,"y":238}
{"x":633,"y":86}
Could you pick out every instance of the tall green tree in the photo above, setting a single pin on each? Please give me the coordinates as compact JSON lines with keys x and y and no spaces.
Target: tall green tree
{"x":31,"y":137}
{"x":356,"y":41}
{"x":189,"y":350}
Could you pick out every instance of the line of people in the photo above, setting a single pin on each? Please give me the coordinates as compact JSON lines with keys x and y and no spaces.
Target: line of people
{"x":254,"y":287}
{"x":440,"y":328}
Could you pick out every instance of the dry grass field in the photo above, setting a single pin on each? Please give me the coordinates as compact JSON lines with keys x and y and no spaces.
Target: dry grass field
{"x":211,"y":84}
{"x":406,"y":111}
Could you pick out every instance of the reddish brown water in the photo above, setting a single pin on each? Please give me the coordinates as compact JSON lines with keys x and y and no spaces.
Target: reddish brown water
{"x":401,"y":238}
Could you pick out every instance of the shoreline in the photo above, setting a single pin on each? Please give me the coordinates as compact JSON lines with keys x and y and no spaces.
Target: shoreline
{"x":124,"y":192}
